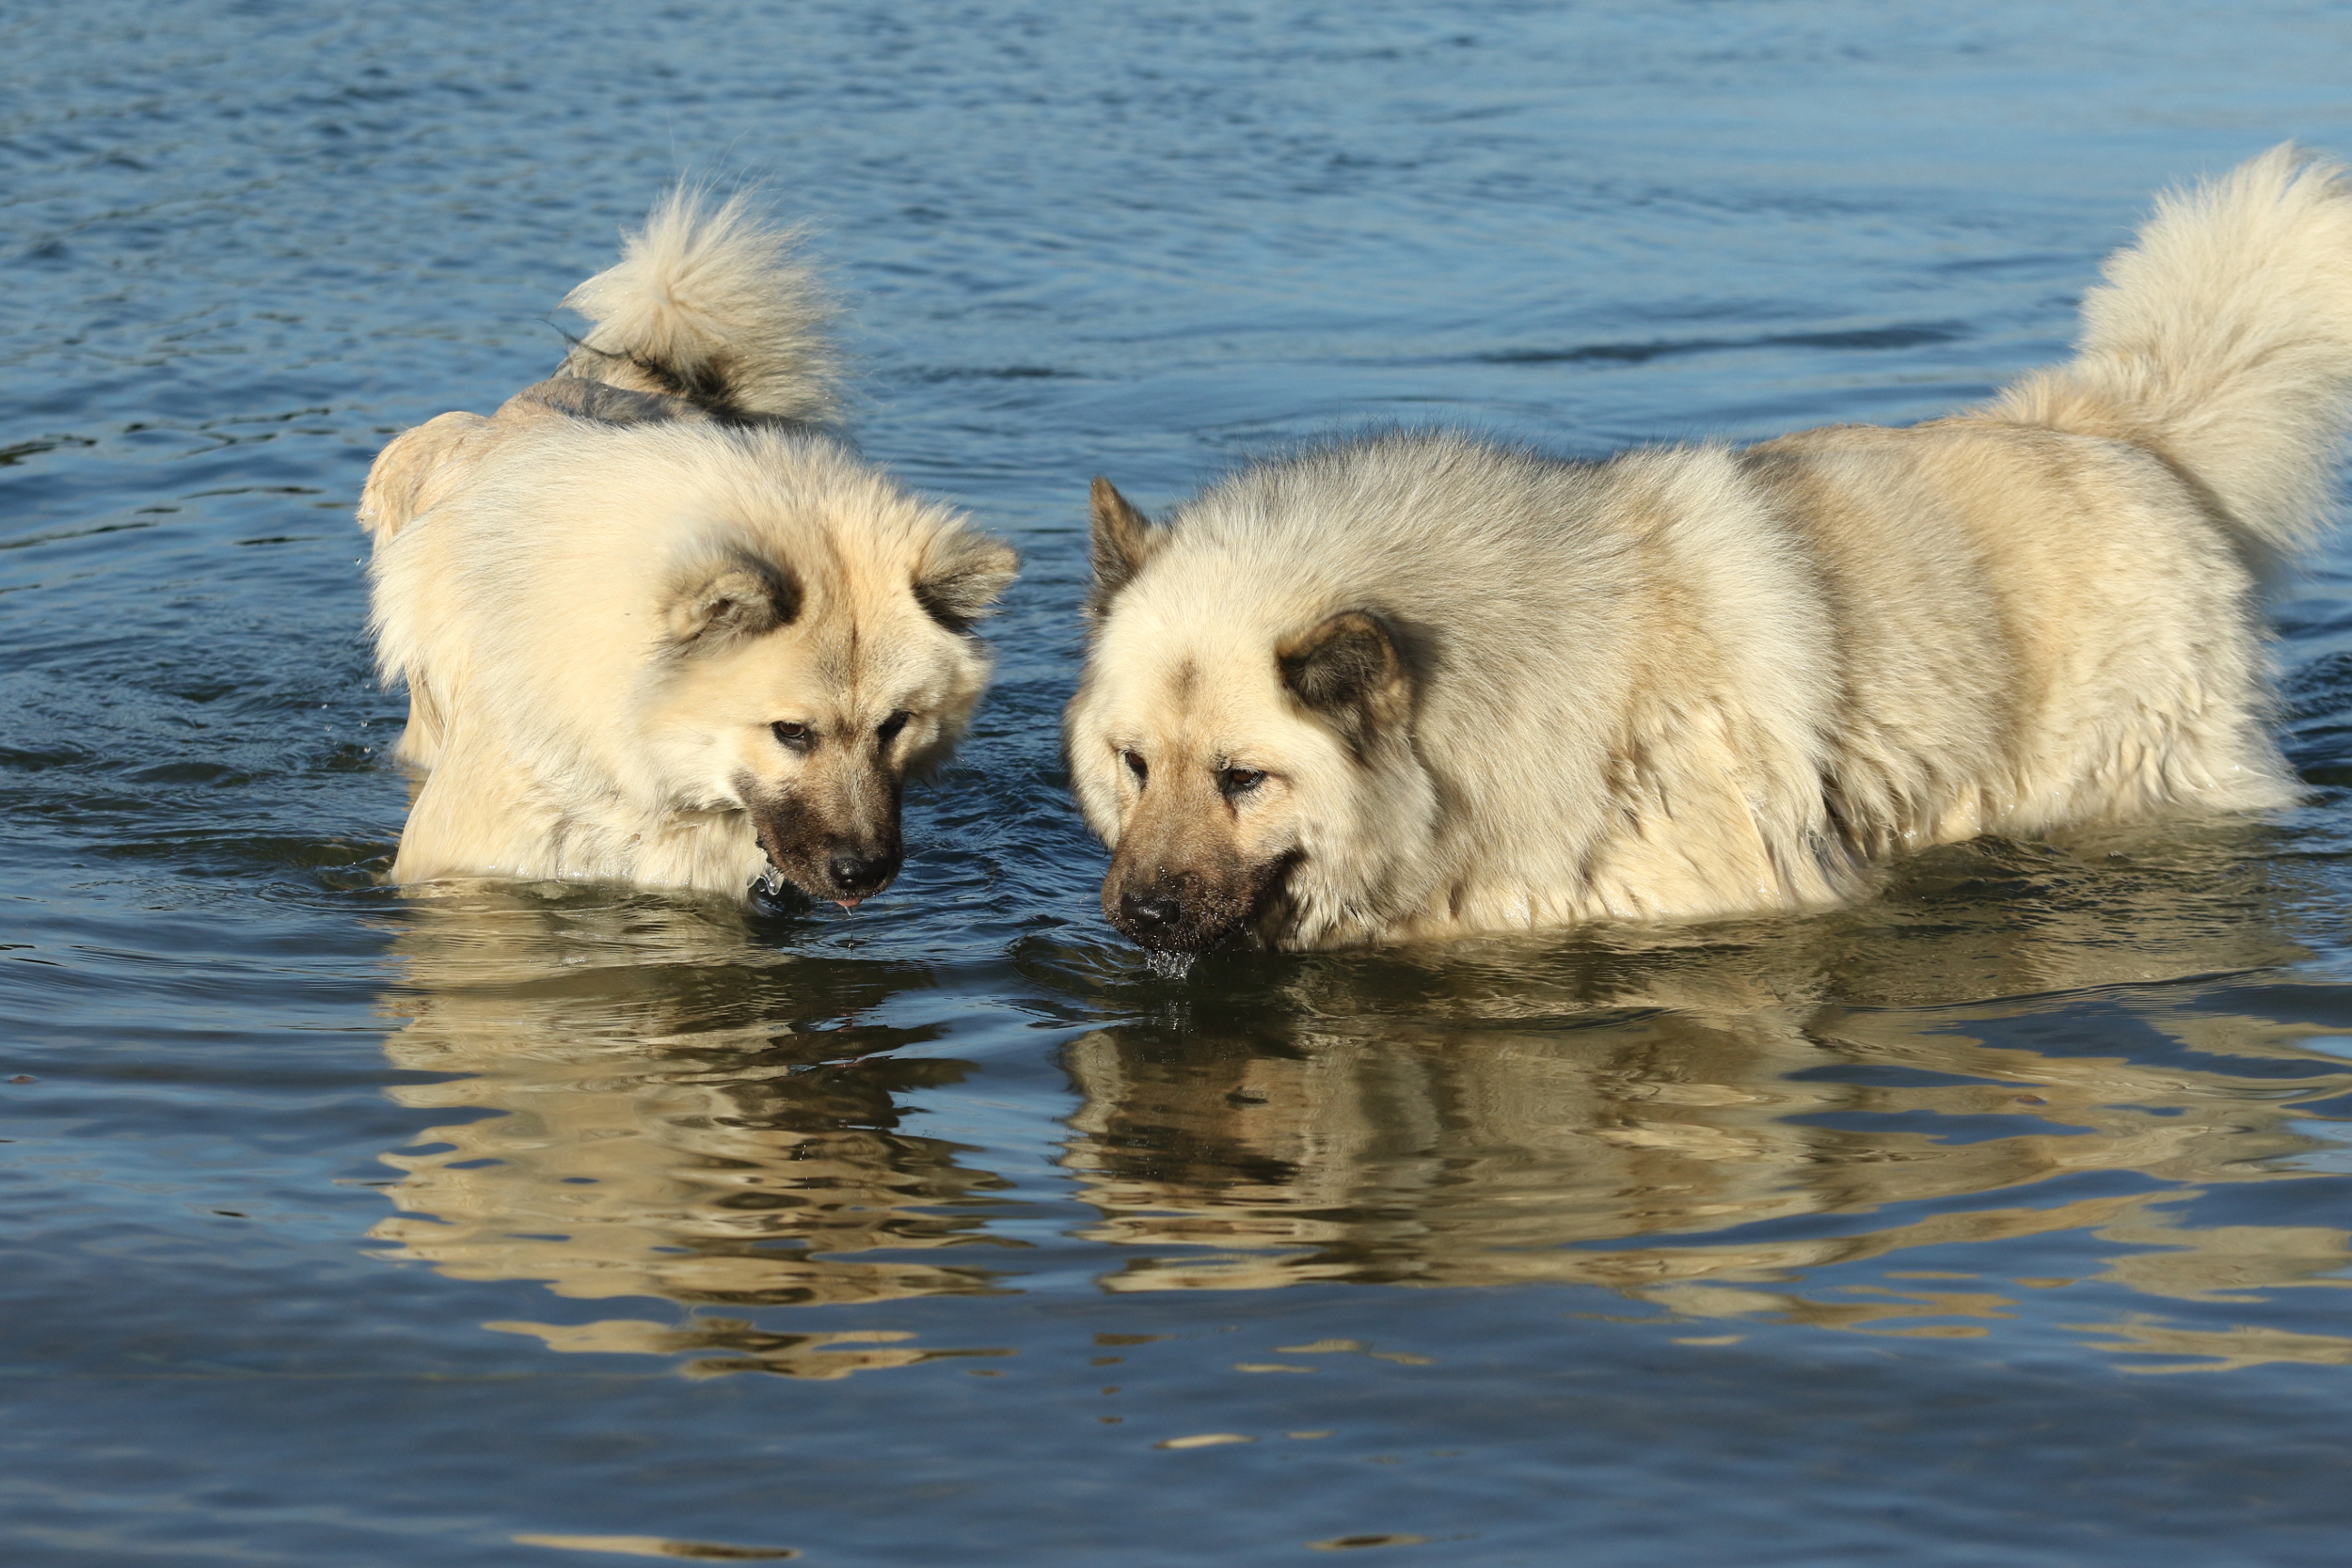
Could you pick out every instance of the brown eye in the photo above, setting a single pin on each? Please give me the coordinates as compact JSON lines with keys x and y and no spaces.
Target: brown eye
{"x":1136,"y":764}
{"x":891,"y":726}
{"x":795,"y":735}
{"x":1240,"y":780}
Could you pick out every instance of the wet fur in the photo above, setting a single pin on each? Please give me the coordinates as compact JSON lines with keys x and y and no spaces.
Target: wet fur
{"x":602,"y":597}
{"x":1698,"y":681}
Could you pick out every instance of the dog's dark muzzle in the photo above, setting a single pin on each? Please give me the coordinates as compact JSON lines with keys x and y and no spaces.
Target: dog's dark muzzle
{"x":844,"y":869}
{"x":1176,"y":913}
{"x":847,"y":877}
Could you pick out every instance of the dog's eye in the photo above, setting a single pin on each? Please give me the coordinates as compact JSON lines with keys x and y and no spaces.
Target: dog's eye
{"x":795,"y":735}
{"x":890,"y":727}
{"x":1240,"y":780}
{"x":1136,"y":764}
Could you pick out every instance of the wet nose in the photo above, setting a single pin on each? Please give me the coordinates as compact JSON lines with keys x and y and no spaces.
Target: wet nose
{"x":858,"y":873}
{"x":1150,"y":913}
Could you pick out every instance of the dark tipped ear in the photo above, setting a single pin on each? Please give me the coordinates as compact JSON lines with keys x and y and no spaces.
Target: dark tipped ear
{"x":960,"y":575}
{"x":740,"y":599}
{"x":1123,"y":541}
{"x":1348,"y":669}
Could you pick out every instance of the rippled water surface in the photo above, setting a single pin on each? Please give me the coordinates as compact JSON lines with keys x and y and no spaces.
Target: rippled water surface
{"x":2005,"y":1221}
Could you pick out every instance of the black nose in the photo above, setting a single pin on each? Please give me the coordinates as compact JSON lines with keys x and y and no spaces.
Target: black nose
{"x":1148,"y":913}
{"x":855,"y":873}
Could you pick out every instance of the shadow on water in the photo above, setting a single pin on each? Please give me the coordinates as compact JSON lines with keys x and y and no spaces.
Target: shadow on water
{"x":2017,"y":1044}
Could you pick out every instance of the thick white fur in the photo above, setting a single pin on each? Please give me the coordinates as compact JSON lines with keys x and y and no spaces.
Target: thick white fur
{"x":711,"y":297}
{"x":2223,"y":341}
{"x":576,"y":591}
{"x":1695,"y":682}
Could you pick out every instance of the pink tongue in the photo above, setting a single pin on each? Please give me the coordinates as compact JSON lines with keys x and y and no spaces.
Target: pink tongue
{"x":849,"y":903}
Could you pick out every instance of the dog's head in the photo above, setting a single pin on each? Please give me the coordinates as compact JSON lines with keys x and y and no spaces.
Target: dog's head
{"x":803,"y":675}
{"x":1242,"y":749}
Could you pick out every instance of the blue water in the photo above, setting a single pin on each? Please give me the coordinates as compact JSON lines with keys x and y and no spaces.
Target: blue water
{"x":2007,"y":1221}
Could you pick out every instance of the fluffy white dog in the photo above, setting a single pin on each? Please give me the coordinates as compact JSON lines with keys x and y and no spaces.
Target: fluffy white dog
{"x":1418,"y":685}
{"x":658,"y":624}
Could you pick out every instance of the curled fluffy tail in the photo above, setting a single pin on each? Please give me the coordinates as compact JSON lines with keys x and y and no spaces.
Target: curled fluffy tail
{"x":713,"y":306}
{"x":2223,"y":341}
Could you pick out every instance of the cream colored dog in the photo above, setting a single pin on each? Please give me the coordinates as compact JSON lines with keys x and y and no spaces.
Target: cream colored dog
{"x":657,"y":624}
{"x":1418,"y":685}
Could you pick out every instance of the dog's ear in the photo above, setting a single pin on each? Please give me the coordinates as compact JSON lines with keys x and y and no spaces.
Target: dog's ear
{"x":742,"y":598}
{"x":1348,"y":668}
{"x":415,"y":469}
{"x":1123,"y":541}
{"x":960,"y":575}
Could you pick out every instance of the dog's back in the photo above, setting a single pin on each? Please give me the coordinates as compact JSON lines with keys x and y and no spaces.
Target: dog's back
{"x":709,"y":314}
{"x":2222,"y":343}
{"x":711,"y":306}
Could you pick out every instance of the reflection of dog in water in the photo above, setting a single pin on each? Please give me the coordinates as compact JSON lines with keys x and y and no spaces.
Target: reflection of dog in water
{"x":1649,"y":1117}
{"x":644,"y":1105}
{"x":639,"y":1103}
{"x":657,"y":625}
{"x":1418,"y":685}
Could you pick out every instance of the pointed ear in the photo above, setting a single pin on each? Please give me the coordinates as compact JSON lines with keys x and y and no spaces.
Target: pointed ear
{"x":1123,"y":541}
{"x":1348,"y":669}
{"x":742,"y":598}
{"x":960,"y":575}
